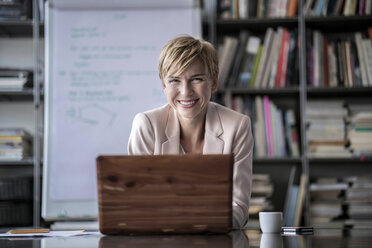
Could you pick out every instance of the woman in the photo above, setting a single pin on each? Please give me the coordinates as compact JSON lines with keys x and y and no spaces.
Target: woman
{"x":190,"y":123}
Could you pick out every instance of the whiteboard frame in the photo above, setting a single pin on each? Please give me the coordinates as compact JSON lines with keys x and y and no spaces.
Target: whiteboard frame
{"x":57,"y":210}
{"x":54,"y":210}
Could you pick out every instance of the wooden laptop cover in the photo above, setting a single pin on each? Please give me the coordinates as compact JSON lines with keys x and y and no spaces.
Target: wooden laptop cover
{"x":154,"y":194}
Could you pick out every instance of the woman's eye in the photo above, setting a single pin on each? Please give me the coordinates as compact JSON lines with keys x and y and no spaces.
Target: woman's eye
{"x":197,"y":80}
{"x":172,"y":81}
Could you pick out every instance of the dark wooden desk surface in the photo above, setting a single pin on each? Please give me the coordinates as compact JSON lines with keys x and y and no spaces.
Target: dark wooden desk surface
{"x":249,"y":238}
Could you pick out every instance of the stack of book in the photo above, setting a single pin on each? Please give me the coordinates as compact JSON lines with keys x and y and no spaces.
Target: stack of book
{"x":262,"y":190}
{"x":326,"y":129}
{"x":337,"y":7}
{"x":15,"y":9}
{"x":359,"y":201}
{"x":339,"y":61}
{"x":274,"y":129}
{"x":15,"y":144}
{"x":360,"y":129}
{"x":241,"y":9}
{"x":327,"y":202}
{"x":15,"y":80}
{"x":251,"y":62}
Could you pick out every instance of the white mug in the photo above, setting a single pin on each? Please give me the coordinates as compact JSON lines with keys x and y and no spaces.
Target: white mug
{"x":271,"y":222}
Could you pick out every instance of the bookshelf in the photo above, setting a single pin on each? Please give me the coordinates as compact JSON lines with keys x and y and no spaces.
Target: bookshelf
{"x":336,"y":27}
{"x":27,"y":31}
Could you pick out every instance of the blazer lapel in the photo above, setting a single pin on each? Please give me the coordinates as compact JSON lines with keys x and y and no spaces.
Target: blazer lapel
{"x":172,"y":131}
{"x":213,"y":144}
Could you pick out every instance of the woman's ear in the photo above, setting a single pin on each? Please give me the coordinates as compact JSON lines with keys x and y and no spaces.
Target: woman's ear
{"x":214,"y":85}
{"x":162,"y":84}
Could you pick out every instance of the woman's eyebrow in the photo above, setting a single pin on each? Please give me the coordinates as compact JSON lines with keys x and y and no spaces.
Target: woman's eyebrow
{"x":199,"y":74}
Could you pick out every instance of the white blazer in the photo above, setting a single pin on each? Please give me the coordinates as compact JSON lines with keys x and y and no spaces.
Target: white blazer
{"x":226,"y":131}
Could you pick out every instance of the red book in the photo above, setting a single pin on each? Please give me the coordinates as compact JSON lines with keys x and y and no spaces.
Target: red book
{"x":282,"y":61}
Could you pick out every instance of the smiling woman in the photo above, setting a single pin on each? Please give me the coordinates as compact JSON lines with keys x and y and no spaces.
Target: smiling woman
{"x":190,"y":123}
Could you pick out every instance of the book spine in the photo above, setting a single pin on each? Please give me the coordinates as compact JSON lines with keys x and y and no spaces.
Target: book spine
{"x":292,"y":8}
{"x":283,"y":70}
{"x":269,"y":144}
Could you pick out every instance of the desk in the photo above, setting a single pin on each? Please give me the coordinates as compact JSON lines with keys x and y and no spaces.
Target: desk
{"x":236,"y":239}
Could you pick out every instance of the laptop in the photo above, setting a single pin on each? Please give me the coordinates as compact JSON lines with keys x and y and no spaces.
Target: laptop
{"x":164,"y":194}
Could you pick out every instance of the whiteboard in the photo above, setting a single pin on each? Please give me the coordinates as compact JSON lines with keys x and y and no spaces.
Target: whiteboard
{"x":101,"y":69}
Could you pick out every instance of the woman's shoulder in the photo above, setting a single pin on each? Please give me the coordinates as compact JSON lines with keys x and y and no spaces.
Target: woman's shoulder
{"x":225,"y":112}
{"x":159,"y":111}
{"x":154,"y":115}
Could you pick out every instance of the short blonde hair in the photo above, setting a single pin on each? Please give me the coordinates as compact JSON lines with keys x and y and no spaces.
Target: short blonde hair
{"x":180,"y":52}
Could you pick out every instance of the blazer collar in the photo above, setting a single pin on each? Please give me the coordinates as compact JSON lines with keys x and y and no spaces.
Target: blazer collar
{"x":213,"y":144}
{"x":172,"y":131}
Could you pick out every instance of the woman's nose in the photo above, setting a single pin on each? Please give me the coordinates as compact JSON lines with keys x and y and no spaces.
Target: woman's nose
{"x":186,"y":89}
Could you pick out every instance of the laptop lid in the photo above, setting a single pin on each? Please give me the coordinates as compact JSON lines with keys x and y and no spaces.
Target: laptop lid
{"x":145,"y":194}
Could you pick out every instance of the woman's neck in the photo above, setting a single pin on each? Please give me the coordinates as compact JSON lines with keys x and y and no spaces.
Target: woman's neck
{"x":192,"y":136}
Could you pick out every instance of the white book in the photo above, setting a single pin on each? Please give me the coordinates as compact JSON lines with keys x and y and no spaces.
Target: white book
{"x":260,"y":136}
{"x":274,"y":130}
{"x":283,"y":8}
{"x":332,"y":66}
{"x":316,"y":60}
{"x":266,"y":45}
{"x":361,"y":53}
{"x":368,"y":7}
{"x":274,"y":64}
{"x":226,"y":59}
{"x":347,"y":7}
{"x":243,"y":9}
{"x":307,"y":8}
{"x":270,"y":54}
{"x":368,"y":58}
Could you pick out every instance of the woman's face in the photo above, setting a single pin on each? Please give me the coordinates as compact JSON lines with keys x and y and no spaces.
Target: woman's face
{"x":189,"y":92}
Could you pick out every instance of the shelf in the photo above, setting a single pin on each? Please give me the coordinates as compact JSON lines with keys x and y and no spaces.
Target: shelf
{"x":24,"y":95}
{"x":18,"y":28}
{"x":28,"y":161}
{"x":340,"y":92}
{"x":339,"y":23}
{"x":277,"y":160}
{"x":338,"y":161}
{"x":253,"y":91}
{"x":254,"y":24}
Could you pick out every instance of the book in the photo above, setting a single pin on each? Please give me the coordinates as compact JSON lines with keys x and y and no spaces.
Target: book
{"x":292,"y":64}
{"x":243,"y":38}
{"x":15,"y":79}
{"x":283,"y":58}
{"x":300,"y":200}
{"x":291,"y":133}
{"x":269,"y":34}
{"x":271,"y":51}
{"x":226,"y":59}
{"x":367,"y":45}
{"x":260,"y":135}
{"x":275,"y":59}
{"x":248,"y":63}
{"x":257,"y":60}
{"x":291,"y":199}
{"x":269,"y":144}
{"x":361,"y":54}
{"x":292,"y":8}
